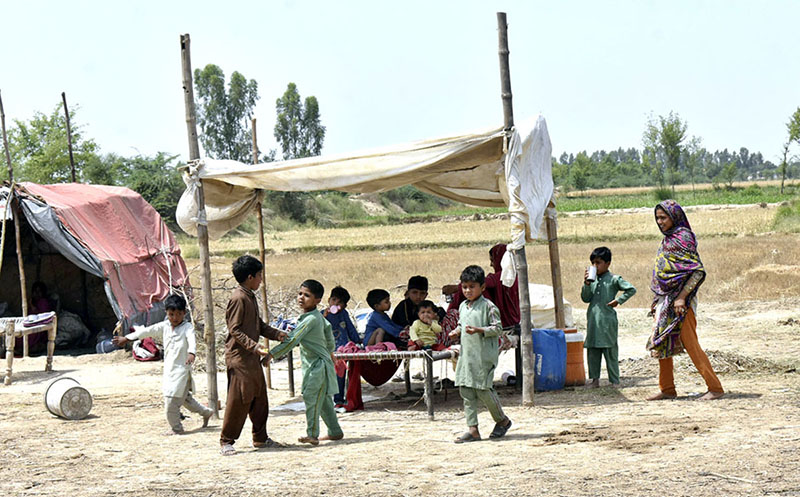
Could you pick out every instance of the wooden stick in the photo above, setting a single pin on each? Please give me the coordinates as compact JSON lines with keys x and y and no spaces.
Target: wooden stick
{"x":262,"y":254}
{"x":555,"y":268}
{"x":5,"y":144}
{"x":520,"y":260}
{"x":69,"y":136}
{"x":202,"y":229}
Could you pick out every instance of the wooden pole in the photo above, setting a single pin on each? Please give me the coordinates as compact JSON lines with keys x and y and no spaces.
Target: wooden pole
{"x":555,"y":267}
{"x":69,"y":136}
{"x":262,"y":254}
{"x":520,"y":260}
{"x":202,"y":229}
{"x":5,"y":145}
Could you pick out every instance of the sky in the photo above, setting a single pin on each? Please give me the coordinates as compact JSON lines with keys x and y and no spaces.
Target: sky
{"x":392,"y":72}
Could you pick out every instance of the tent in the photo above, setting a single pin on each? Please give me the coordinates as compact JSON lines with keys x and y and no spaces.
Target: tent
{"x":103,"y":250}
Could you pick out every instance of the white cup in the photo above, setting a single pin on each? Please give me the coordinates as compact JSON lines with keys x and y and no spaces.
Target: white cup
{"x":592,"y":270}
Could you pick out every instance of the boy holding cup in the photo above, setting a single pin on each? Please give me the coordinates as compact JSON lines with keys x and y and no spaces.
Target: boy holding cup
{"x":600,"y":292}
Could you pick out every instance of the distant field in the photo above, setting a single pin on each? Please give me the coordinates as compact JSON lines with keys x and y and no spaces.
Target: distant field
{"x":681,"y":188}
{"x":614,"y":226}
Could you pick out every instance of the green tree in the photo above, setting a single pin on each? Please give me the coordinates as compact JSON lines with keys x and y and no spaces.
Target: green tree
{"x":693,"y":154}
{"x":663,"y":141}
{"x":728,"y":174}
{"x":224,"y":114}
{"x":580,"y":171}
{"x":298,"y":127}
{"x":39,"y":149}
{"x":793,"y":129}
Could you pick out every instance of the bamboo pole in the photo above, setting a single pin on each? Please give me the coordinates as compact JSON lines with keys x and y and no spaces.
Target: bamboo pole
{"x":520,"y":259}
{"x":202,"y":229}
{"x":262,"y":254}
{"x":5,"y":144}
{"x":69,"y":136}
{"x":555,"y":266}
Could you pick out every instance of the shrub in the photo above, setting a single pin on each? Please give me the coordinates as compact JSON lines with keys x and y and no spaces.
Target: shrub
{"x":662,"y":193}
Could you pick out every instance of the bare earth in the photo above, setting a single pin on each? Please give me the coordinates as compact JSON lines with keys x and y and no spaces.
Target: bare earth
{"x":573,"y":442}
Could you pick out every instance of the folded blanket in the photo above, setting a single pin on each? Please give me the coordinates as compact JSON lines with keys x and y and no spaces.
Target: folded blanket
{"x":38,"y":319}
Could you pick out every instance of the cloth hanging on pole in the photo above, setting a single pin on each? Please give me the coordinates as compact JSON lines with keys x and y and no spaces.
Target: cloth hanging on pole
{"x":471,"y":168}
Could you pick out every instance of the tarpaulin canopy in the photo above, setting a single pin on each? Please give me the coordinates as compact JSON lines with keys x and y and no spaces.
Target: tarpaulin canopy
{"x":112,"y":233}
{"x":488,"y":168}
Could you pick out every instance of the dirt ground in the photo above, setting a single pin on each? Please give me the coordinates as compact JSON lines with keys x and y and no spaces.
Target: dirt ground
{"x":576,"y":441}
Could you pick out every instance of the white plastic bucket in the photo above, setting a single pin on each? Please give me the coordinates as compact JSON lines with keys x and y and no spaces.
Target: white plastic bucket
{"x":65,"y":397}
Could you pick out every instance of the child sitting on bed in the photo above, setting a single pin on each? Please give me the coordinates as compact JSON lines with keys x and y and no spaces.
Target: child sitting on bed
{"x":380,"y":328}
{"x":423,"y":332}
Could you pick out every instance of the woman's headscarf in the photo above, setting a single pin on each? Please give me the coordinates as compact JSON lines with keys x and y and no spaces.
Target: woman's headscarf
{"x":676,"y":261}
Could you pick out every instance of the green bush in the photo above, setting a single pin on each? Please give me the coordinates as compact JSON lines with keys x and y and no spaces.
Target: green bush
{"x":787,"y":218}
{"x":662,"y":194}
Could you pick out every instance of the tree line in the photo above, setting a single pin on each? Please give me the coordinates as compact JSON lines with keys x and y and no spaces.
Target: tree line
{"x":669,"y":157}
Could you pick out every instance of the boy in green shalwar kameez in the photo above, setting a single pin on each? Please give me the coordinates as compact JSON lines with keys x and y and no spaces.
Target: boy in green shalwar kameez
{"x":601,"y":318}
{"x":315,"y":337}
{"x":479,"y":326}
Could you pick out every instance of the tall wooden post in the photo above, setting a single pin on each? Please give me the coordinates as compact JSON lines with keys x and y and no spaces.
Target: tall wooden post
{"x":262,"y":254}
{"x":69,"y":137}
{"x":202,"y":229}
{"x":520,"y":260}
{"x":555,"y":266}
{"x":5,"y":145}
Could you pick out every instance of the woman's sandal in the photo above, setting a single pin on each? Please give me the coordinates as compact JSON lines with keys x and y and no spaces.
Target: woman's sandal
{"x":227,"y":450}
{"x":466,"y":437}
{"x":500,"y":430}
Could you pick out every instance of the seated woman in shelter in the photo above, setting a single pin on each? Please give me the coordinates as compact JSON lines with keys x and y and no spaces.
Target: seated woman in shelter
{"x":38,"y":304}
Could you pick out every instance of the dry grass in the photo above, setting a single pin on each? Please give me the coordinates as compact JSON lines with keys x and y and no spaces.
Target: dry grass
{"x":612,"y":225}
{"x":744,"y":264}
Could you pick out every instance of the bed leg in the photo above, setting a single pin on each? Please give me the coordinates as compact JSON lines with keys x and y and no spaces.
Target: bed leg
{"x":429,"y":386}
{"x":407,"y":375}
{"x":51,"y":344}
{"x":9,"y":336}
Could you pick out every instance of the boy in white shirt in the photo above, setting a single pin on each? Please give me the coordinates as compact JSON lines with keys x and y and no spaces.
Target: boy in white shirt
{"x":179,"y":352}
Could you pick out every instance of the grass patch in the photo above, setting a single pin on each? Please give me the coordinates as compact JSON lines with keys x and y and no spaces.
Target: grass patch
{"x":787,"y":218}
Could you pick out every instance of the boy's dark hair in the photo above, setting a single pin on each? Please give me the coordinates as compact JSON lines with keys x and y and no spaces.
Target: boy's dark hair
{"x":342,"y":294}
{"x":375,"y":296}
{"x":418,"y":283}
{"x":602,"y":253}
{"x":426,"y":304}
{"x":245,"y":266}
{"x":175,"y":303}
{"x":315,"y":287}
{"x":473,"y":274}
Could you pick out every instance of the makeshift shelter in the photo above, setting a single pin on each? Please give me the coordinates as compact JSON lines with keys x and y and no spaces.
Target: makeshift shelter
{"x":509,"y":165}
{"x":103,"y":250}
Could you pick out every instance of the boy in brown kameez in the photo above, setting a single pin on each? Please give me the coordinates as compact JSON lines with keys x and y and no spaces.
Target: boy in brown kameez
{"x":247,"y":389}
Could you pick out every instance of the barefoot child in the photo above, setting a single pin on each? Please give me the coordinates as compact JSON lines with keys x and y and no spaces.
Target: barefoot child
{"x":247,"y":388}
{"x":313,"y":334}
{"x":380,"y":328}
{"x":178,"y":340}
{"x":601,"y":318}
{"x":479,"y":326}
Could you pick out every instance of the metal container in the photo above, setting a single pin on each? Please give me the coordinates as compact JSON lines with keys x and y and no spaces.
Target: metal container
{"x":65,"y":397}
{"x":592,"y":273}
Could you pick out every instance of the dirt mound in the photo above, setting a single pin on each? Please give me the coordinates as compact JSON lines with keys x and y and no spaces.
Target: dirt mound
{"x":722,"y":362}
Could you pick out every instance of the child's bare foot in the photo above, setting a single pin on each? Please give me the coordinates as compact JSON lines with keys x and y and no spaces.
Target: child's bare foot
{"x":661,"y":396}
{"x":206,"y":417}
{"x":594,"y":383}
{"x":332,"y":437}
{"x":308,"y":440}
{"x":711,"y":395}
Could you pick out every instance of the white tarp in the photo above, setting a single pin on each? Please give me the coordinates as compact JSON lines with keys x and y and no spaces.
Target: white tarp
{"x":471,"y":168}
